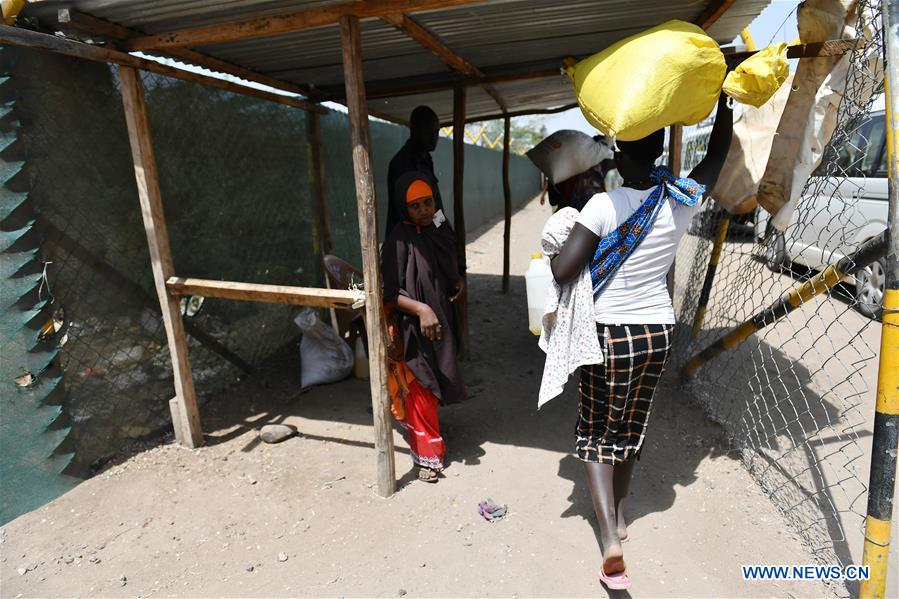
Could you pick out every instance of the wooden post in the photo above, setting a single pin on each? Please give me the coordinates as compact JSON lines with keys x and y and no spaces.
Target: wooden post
{"x":459,"y":93}
{"x":675,"y":147}
{"x":507,"y":197}
{"x":185,"y":415}
{"x":317,"y":177}
{"x":368,"y":222}
{"x":675,"y":144}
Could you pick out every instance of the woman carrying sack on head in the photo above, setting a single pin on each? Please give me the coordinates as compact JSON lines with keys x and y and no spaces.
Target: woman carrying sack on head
{"x":628,"y":239}
{"x":422,"y":278}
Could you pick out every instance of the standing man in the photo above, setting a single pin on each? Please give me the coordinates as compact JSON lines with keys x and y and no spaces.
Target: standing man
{"x":415,"y":155}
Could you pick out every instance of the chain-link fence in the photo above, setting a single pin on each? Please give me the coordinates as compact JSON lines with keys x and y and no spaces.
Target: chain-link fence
{"x":797,"y":398}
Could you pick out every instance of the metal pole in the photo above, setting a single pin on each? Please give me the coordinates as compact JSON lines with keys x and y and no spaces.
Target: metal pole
{"x":715,"y":256}
{"x":873,"y":249}
{"x":885,"y":442}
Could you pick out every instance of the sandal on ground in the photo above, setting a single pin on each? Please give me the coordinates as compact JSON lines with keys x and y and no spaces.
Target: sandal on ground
{"x":427,"y":475}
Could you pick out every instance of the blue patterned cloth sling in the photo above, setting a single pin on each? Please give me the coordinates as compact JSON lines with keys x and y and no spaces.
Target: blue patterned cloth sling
{"x":614,"y":248}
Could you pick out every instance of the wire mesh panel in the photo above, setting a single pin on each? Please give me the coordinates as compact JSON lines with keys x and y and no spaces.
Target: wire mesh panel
{"x":238,"y":204}
{"x":797,"y":398}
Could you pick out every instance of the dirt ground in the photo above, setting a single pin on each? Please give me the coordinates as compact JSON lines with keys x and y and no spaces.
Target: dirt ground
{"x":301,"y":518}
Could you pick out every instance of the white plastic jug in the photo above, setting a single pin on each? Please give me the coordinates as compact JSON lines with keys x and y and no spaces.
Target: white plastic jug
{"x":537,"y":279}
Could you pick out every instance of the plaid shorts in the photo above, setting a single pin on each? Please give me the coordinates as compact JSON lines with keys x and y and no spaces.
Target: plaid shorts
{"x":616,"y":396}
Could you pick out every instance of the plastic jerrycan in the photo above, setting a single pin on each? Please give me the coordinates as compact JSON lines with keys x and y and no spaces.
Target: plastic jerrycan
{"x":538,"y":278}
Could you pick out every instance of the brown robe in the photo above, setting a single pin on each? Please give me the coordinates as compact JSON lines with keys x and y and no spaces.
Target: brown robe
{"x":422,"y":265}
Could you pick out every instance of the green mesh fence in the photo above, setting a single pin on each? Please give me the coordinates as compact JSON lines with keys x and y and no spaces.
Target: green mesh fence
{"x":239,"y":205}
{"x":33,"y":427}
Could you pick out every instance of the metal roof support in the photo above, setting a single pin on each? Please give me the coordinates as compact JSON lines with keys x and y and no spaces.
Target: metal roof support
{"x":414,"y":30}
{"x":94,"y":26}
{"x":461,"y":304}
{"x":304,"y":19}
{"x":368,"y":221}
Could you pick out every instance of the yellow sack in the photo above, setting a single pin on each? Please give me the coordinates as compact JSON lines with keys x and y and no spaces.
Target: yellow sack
{"x":671,"y":74}
{"x":756,"y":79}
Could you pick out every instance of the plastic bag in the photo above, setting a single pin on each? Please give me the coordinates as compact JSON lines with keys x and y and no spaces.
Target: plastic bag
{"x":324,"y":356}
{"x":671,"y":74}
{"x":756,"y":79}
{"x":567,"y":153}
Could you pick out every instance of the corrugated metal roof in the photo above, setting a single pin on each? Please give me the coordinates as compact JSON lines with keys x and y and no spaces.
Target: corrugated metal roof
{"x":492,"y":35}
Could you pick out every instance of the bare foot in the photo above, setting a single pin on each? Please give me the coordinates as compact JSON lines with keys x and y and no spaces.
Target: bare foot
{"x":622,"y":527}
{"x":613,"y":559}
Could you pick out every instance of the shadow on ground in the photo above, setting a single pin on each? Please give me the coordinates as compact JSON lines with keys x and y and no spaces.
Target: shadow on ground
{"x":503,"y":377}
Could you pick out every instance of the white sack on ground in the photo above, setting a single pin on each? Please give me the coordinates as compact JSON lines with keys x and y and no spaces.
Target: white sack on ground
{"x":324,"y":356}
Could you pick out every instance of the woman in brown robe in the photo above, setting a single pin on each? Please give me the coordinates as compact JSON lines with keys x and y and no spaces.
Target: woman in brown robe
{"x":422,"y":278}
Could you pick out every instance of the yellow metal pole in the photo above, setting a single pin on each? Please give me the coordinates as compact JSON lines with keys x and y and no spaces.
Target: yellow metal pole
{"x":747,"y":39}
{"x":698,"y":319}
{"x":885,"y":441}
{"x":871,"y":250}
{"x":11,"y":10}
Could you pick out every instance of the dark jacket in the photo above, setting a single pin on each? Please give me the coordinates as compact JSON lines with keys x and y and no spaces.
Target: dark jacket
{"x":421,"y":263}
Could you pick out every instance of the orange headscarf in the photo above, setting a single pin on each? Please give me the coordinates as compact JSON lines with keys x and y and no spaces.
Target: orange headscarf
{"x":418,"y":190}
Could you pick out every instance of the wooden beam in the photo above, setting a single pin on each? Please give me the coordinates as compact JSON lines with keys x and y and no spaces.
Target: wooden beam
{"x":185,"y":414}
{"x":305,"y":19}
{"x":393,"y":88}
{"x":507,"y":200}
{"x":714,"y":11}
{"x":270,"y":294}
{"x":92,"y":25}
{"x":524,"y":112}
{"x":461,"y":305}
{"x":368,"y":222}
{"x":829,"y":48}
{"x":25,"y":38}
{"x":417,"y":32}
{"x":420,"y":34}
{"x":403,"y":87}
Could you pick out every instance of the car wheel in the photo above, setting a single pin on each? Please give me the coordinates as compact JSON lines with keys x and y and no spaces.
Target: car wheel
{"x":869,"y":285}
{"x":775,"y":250}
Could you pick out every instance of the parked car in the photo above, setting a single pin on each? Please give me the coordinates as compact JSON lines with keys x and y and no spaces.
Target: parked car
{"x":845,"y":213}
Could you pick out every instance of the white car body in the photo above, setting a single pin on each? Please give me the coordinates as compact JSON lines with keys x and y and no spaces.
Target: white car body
{"x":845,"y":212}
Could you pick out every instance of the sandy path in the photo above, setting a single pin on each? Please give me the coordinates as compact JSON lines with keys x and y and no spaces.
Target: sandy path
{"x":212,"y":522}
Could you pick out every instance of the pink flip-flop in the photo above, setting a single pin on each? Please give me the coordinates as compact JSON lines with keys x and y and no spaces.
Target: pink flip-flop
{"x":618,"y":581}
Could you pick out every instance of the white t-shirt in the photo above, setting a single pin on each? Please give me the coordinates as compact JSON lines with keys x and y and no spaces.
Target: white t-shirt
{"x":637,"y":293}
